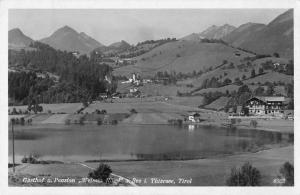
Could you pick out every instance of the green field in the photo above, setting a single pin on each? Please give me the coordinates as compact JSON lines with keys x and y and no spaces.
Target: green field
{"x":182,"y":56}
{"x":54,"y":108}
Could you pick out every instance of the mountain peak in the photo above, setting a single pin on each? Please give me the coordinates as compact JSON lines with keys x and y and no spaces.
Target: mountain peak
{"x":228,"y":26}
{"x":66,"y":29}
{"x":16,"y":30}
{"x":284,"y":17}
{"x":66,"y":38}
{"x":277,"y":36}
{"x":192,"y":37}
{"x":16,"y":38}
{"x":119,"y":44}
{"x":217,"y":32}
{"x":124,"y":42}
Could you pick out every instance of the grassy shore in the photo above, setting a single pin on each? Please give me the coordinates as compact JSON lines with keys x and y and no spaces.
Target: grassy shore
{"x":203,"y":172}
{"x":151,"y":110}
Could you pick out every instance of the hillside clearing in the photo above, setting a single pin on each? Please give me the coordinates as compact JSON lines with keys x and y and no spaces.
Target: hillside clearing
{"x":271,"y":77}
{"x":182,"y":56}
{"x":218,"y":104}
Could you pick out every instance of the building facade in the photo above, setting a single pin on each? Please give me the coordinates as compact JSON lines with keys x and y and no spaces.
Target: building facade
{"x":273,"y":106}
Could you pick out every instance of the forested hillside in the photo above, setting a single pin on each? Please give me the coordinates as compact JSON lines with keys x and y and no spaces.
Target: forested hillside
{"x":80,"y":79}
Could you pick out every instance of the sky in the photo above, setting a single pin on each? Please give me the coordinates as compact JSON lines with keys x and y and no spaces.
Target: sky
{"x":109,"y":26}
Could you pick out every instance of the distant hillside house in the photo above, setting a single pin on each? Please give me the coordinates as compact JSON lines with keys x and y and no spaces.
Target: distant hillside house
{"x":132,"y":90}
{"x":194,"y":117}
{"x":279,"y":66}
{"x":76,"y":54}
{"x":265,"y":106}
{"x":125,"y":61}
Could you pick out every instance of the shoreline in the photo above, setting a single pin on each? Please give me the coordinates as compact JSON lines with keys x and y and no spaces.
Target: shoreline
{"x":267,"y":161}
{"x":200,"y":124}
{"x":213,"y":156}
{"x":157,"y":112}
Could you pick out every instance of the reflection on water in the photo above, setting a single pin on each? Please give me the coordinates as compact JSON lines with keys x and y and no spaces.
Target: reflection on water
{"x":191,"y":128}
{"x":150,"y":142}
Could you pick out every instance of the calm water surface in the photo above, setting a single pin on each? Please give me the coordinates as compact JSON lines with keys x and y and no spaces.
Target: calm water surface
{"x":150,"y":142}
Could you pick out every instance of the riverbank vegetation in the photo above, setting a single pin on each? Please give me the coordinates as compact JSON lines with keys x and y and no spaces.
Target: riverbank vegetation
{"x":248,"y":175}
{"x":102,"y":172}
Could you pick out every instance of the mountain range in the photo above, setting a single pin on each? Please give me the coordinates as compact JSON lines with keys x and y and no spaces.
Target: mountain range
{"x":114,"y":48}
{"x":277,"y":36}
{"x":242,"y":33}
{"x":212,"y":32}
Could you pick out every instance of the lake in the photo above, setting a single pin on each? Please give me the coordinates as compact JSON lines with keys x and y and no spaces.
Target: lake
{"x":143,"y":142}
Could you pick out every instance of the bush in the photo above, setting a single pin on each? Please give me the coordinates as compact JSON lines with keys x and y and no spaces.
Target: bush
{"x":17,"y":121}
{"x":22,"y":121}
{"x":14,"y":111}
{"x":133,"y":111}
{"x":102,"y":172}
{"x":244,"y":176}
{"x":32,"y":159}
{"x":287,"y":172}
{"x":24,"y":160}
{"x":100,"y":111}
{"x":114,"y":122}
{"x":233,"y":121}
{"x":99,"y":121}
{"x":29,"y":121}
{"x":67,"y":122}
{"x":253,"y":123}
{"x":253,"y":74}
{"x":81,"y":120}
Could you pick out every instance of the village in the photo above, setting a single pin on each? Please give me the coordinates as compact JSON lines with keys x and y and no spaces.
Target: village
{"x":257,"y":108}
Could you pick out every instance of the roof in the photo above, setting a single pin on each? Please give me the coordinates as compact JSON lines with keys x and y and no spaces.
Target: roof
{"x":193,"y":113}
{"x":260,"y":99}
{"x":288,"y":100}
{"x":269,"y":98}
{"x":275,"y":99}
